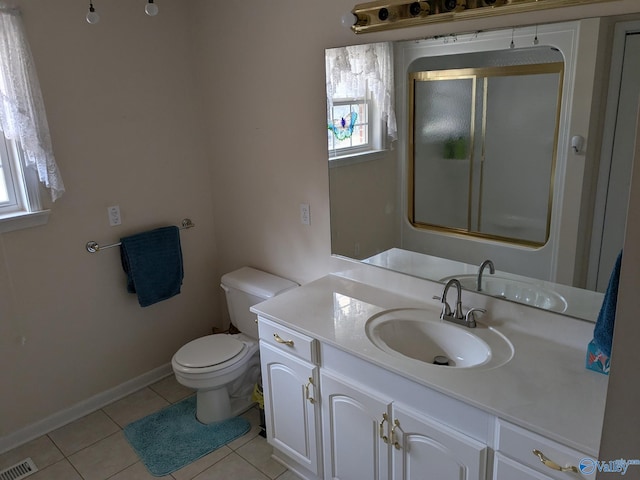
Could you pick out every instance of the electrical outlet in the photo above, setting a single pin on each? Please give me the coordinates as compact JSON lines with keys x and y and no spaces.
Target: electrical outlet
{"x":114,"y":215}
{"x":305,"y":214}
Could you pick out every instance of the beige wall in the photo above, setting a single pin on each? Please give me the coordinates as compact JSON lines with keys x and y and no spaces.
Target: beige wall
{"x":229,"y":130}
{"x":122,"y":110}
{"x":365,"y":209}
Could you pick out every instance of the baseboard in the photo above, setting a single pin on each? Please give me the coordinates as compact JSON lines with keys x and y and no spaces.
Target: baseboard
{"x":79,"y":410}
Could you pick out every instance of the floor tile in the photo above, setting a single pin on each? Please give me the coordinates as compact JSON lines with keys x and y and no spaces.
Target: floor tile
{"x":42,"y":451}
{"x":289,"y":475}
{"x":200,"y":465}
{"x":253,"y":415}
{"x":105,"y":458}
{"x":96,"y":449}
{"x":137,"y":471}
{"x":62,"y":470}
{"x":86,"y":431}
{"x":172,"y":391}
{"x":232,"y":467}
{"x":258,"y":453}
{"x":135,"y":406}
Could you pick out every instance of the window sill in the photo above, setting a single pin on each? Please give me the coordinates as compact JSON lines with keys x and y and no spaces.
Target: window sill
{"x":357,"y":158}
{"x":21,"y":220}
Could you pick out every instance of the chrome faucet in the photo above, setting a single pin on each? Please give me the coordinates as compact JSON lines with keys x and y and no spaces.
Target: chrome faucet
{"x":483,"y":265}
{"x":446,"y":309}
{"x":468,"y":320}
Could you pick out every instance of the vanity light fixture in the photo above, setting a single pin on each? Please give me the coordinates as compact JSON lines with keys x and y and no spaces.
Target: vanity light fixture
{"x":387,"y":14}
{"x":92,"y":16}
{"x":151,"y":9}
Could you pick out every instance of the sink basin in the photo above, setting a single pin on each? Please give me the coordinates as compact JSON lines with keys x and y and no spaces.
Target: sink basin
{"x":521,"y":292}
{"x":421,"y":335}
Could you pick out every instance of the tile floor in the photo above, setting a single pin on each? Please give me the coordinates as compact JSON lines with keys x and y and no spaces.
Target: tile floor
{"x":94,"y":447}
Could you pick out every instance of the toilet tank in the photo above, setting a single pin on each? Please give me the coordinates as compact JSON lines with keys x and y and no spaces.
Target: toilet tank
{"x":246,"y":287}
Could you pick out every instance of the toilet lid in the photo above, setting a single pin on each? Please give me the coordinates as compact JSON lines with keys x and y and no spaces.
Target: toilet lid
{"x":208,"y":351}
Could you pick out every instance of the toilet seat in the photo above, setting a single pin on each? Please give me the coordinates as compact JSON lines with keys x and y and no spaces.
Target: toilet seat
{"x":209,"y":351}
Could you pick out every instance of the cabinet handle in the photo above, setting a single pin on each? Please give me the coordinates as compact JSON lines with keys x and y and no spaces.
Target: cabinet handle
{"x":384,"y":438}
{"x":279,"y":339}
{"x":553,"y":465}
{"x":306,"y":390}
{"x":396,"y":424}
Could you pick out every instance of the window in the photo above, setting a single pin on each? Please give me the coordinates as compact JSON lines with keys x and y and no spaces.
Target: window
{"x":7,"y":188}
{"x":349,"y":129}
{"x":360,"y":111}
{"x":26,"y":153}
{"x":18,"y":188}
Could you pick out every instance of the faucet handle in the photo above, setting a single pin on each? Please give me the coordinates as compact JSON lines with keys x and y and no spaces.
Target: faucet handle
{"x":470,"y":317}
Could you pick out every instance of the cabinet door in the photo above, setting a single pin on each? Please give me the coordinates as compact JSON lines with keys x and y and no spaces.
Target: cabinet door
{"x":291,"y":411}
{"x":355,"y":424}
{"x":426,"y":450}
{"x":506,"y":469}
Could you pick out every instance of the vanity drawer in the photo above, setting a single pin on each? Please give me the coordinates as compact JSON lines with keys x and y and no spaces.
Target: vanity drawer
{"x":518,"y":444}
{"x":288,"y":340}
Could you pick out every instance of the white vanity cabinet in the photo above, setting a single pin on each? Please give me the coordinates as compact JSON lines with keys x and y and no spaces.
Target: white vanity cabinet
{"x":368,"y":435}
{"x":332,"y":413}
{"x":290,"y":379}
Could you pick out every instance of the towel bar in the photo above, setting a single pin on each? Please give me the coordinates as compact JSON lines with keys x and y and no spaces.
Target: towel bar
{"x":93,"y":247}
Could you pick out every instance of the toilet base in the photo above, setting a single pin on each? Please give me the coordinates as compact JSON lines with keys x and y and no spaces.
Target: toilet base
{"x":215,"y":405}
{"x":230,"y":400}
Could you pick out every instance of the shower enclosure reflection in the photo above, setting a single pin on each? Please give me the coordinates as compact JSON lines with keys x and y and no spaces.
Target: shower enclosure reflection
{"x":482,"y":145}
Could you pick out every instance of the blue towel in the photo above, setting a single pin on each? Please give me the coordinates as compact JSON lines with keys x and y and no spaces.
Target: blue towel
{"x":153,"y":263}
{"x":603,"y":331}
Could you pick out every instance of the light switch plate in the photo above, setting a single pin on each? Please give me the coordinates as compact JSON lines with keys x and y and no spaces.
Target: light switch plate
{"x":305,"y":214}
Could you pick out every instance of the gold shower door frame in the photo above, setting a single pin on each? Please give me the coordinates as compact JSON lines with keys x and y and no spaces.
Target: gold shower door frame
{"x":476,"y":75}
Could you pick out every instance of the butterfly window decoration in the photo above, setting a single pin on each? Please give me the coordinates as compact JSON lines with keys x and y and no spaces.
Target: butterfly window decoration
{"x":343,"y":127}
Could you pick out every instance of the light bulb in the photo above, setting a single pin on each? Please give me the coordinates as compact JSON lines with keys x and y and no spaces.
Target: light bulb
{"x":151,"y":9}
{"x":348,"y":19}
{"x":92,"y":15}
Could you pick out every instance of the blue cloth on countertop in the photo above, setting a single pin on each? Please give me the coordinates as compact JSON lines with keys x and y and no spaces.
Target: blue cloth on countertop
{"x":603,"y":331}
{"x":153,"y":263}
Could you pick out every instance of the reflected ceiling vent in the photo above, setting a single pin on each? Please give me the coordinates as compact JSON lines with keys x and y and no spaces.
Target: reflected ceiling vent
{"x":19,"y":470}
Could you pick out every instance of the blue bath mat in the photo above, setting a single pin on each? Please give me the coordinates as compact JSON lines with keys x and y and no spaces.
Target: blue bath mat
{"x":169,"y":439}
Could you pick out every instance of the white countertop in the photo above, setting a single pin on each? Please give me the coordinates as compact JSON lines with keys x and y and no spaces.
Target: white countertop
{"x":545,"y":387}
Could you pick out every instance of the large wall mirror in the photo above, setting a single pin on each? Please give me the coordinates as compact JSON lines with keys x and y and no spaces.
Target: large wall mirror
{"x":523,"y":138}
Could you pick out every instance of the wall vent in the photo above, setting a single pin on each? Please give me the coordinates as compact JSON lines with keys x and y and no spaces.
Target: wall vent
{"x":19,"y":470}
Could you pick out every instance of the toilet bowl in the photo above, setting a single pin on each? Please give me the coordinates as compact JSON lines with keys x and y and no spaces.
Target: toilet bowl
{"x":224,"y":368}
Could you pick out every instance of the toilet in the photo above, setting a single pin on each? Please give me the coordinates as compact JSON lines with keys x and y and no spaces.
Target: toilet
{"x":224,"y":368}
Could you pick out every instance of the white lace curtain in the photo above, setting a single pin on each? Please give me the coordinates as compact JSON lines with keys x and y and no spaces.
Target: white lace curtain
{"x":22,"y":115}
{"x":353,"y":70}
